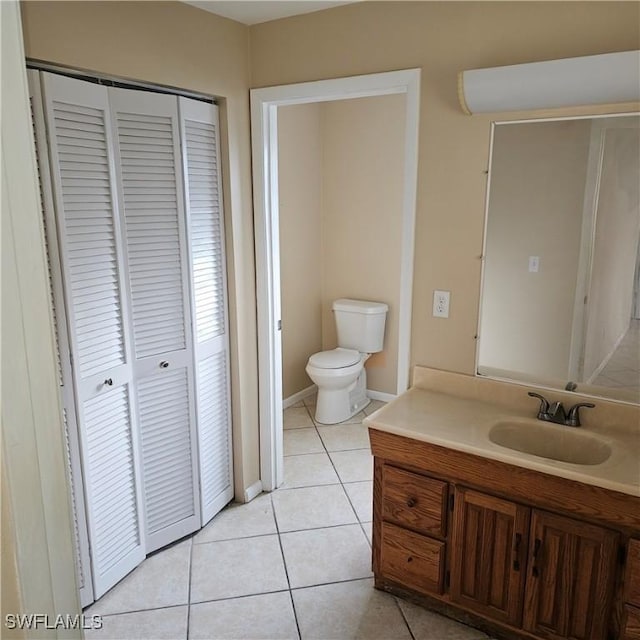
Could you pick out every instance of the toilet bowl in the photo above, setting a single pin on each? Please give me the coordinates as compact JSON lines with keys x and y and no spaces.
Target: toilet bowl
{"x":340,"y":377}
{"x":339,"y":373}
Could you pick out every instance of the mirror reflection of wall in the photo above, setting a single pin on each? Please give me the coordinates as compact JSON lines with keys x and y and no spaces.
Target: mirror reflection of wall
{"x":561,"y":297}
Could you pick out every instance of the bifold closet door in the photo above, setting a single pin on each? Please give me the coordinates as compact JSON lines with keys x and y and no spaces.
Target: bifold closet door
{"x":81,"y":159}
{"x":200,"y":142}
{"x":63,"y":357}
{"x":150,"y":186}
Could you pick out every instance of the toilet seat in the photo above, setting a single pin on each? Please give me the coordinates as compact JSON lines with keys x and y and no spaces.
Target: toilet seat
{"x":335,"y":358}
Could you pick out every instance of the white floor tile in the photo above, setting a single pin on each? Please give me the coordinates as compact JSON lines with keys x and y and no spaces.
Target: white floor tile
{"x":426,"y":625}
{"x":160,"y":624}
{"x":312,"y":507}
{"x":342,"y":437}
{"x":361,"y":497}
{"x":310,"y":401}
{"x":240,"y":521}
{"x":368,"y":530}
{"x":301,"y":441}
{"x":320,"y":556}
{"x":232,"y":568}
{"x":147,"y":587}
{"x":349,"y":611}
{"x":373,"y":406}
{"x":252,"y":618}
{"x":296,"y":418}
{"x":309,"y":470}
{"x":353,"y":466}
{"x":357,"y":418}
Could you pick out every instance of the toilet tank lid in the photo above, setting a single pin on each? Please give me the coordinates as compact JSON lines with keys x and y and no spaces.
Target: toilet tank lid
{"x":334,"y":358}
{"x":359,"y":306}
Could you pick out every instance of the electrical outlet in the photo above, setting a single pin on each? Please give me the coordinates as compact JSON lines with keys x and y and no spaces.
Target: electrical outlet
{"x":441,"y":304}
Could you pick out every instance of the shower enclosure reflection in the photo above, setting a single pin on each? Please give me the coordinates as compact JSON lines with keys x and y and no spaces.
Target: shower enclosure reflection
{"x":561,"y":279}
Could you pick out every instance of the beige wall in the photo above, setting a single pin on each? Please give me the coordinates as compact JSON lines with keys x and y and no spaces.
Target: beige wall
{"x":441,"y":38}
{"x":536,"y":202}
{"x":340,"y":188}
{"x":615,"y":247}
{"x":174,"y":44}
{"x":300,"y":193}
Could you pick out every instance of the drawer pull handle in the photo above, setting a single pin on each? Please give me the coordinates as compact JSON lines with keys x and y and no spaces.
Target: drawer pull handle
{"x":164,"y":364}
{"x":536,"y":548}
{"x":109,"y":382}
{"x":411,"y":502}
{"x":410,"y":559}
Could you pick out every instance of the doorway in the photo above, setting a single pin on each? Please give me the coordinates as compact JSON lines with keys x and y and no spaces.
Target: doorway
{"x":264,"y":120}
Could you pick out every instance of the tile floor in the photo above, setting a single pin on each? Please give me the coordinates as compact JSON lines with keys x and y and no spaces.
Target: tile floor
{"x":623,"y":369}
{"x":295,"y":563}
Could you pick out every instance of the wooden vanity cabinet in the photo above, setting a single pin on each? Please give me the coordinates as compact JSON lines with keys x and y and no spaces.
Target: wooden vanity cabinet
{"x":446,"y":533}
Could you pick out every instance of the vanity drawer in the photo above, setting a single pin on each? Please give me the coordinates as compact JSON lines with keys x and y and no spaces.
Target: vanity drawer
{"x":412,"y":560}
{"x":414,"y":501}
{"x":632,"y":575}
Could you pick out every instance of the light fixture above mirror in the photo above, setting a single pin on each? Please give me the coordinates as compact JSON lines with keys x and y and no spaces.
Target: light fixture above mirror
{"x":570,"y":82}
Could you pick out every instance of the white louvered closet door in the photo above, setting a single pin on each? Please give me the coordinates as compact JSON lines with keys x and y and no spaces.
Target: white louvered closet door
{"x":151,"y":197}
{"x":88,"y":234}
{"x":63,"y":357}
{"x":200,"y":141}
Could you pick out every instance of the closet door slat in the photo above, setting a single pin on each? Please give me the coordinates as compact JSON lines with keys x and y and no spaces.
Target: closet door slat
{"x":199,"y":122}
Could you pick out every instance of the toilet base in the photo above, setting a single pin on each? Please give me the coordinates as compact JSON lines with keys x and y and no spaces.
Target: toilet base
{"x":338,"y":405}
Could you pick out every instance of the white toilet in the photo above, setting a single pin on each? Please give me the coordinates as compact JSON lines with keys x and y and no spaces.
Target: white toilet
{"x":339,"y":373}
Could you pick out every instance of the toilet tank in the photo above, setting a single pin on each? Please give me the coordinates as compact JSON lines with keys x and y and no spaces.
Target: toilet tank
{"x":360,"y":324}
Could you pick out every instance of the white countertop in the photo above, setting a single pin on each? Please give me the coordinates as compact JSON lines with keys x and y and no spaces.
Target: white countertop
{"x":464,"y":424}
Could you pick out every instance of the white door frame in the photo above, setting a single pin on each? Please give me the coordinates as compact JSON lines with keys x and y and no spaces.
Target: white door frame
{"x":264,"y":125}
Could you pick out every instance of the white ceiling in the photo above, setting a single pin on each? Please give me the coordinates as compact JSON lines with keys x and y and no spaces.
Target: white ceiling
{"x":256,"y":11}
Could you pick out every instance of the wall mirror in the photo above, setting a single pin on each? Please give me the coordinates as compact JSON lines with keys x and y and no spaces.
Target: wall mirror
{"x":560,"y":303}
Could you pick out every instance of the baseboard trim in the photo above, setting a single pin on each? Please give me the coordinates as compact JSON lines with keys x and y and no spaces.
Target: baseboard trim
{"x":296,"y":397}
{"x":378,"y":395}
{"x":253,"y":491}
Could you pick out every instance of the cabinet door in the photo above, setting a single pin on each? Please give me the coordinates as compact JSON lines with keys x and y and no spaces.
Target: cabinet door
{"x":569,"y":578}
{"x":489,"y":543}
{"x":632,"y":574}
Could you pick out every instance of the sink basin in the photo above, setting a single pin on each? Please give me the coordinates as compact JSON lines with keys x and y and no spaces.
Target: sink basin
{"x":555,"y":442}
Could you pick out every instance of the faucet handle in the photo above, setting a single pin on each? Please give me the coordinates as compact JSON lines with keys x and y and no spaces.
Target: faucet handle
{"x":544,"y":404}
{"x":573,"y":417}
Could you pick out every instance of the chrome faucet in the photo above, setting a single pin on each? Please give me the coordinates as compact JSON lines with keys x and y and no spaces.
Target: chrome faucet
{"x":555,"y":412}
